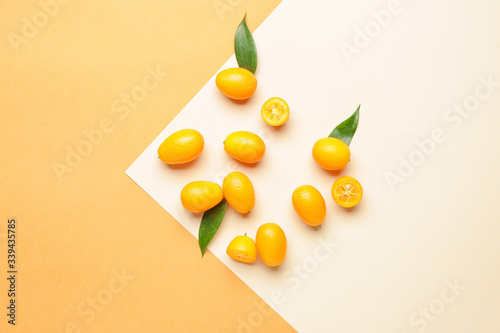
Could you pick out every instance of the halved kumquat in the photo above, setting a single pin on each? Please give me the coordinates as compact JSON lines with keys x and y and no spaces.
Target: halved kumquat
{"x":275,"y":111}
{"x":347,"y":191}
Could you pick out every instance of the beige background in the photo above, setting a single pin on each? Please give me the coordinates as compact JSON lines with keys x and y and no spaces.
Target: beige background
{"x":421,"y":256}
{"x":77,"y":232}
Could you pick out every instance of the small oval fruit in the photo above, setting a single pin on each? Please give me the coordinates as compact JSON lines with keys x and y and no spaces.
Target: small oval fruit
{"x":242,"y":249}
{"x":200,"y":196}
{"x":245,"y":146}
{"x":275,"y":111}
{"x":271,"y":244}
{"x":181,"y":147}
{"x":236,"y":83}
{"x":347,"y":191}
{"x":331,"y":153}
{"x":309,"y":205}
{"x":239,"y":192}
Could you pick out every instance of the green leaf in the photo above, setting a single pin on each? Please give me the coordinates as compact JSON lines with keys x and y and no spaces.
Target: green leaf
{"x":345,"y":131}
{"x":210,"y":223}
{"x":244,"y":47}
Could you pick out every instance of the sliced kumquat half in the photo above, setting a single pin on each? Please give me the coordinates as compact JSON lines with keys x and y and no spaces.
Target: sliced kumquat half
{"x":275,"y":111}
{"x":347,"y":191}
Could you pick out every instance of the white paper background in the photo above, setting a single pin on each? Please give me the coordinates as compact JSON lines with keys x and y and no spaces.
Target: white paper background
{"x":395,"y":251}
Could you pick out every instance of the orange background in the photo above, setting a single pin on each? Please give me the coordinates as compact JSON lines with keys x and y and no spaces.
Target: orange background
{"x":77,"y":231}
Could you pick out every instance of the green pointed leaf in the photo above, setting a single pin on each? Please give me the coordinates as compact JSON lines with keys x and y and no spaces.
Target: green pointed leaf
{"x":345,"y":131}
{"x":209,"y":225}
{"x":244,"y":47}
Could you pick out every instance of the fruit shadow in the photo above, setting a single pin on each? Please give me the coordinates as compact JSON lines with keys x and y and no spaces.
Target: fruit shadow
{"x":244,"y":216}
{"x":197,"y":215}
{"x":181,"y":166}
{"x":352,"y":210}
{"x":260,"y":262}
{"x":334,"y":173}
{"x":248,"y":165}
{"x":306,"y":227}
{"x":278,"y":128}
{"x":272,"y":268}
{"x":240,"y":101}
{"x":316,"y":228}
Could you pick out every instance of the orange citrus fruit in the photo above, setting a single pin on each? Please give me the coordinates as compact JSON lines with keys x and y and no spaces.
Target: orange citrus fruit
{"x":245,"y":146}
{"x":242,"y":249}
{"x":200,"y":196}
{"x":347,"y":191}
{"x":181,"y":147}
{"x":309,"y":205}
{"x":239,"y":192}
{"x":275,"y":111}
{"x":331,"y":153}
{"x":236,"y":83}
{"x":271,"y":244}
